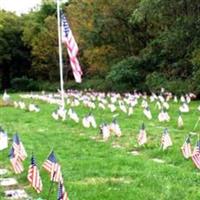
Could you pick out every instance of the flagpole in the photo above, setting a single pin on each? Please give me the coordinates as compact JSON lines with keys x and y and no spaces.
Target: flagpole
{"x":60,"y":54}
{"x":51,"y":185}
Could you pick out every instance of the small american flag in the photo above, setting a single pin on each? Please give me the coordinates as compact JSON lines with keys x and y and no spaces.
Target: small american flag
{"x":72,"y":48}
{"x":196,"y":155}
{"x":53,"y":168}
{"x":34,"y":176}
{"x":16,"y":162}
{"x":142,"y":137}
{"x":18,"y":147}
{"x":166,"y":140}
{"x":186,"y":148}
{"x":62,"y":195}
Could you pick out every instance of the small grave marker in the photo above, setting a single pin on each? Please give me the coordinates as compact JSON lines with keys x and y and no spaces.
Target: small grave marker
{"x":3,"y":171}
{"x":8,"y":182}
{"x":158,"y":160}
{"x":135,"y":153}
{"x":16,"y":194}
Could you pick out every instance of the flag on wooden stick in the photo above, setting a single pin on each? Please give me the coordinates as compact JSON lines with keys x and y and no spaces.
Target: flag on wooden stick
{"x":62,"y":195}
{"x":166,"y":139}
{"x":196,"y":155}
{"x":52,"y":166}
{"x":186,"y":148}
{"x":34,"y":176}
{"x":19,"y":147}
{"x":16,"y":162}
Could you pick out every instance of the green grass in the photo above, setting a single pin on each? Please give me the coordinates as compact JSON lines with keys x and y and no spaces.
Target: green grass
{"x":94,"y":170}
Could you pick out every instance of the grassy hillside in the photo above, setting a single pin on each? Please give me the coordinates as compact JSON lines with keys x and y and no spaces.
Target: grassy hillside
{"x":95,"y":170}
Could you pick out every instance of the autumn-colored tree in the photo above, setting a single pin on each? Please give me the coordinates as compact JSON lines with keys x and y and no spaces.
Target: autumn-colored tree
{"x":103,"y":30}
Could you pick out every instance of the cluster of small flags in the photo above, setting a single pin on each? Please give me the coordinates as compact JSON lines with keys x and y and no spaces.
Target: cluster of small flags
{"x":73,"y":115}
{"x":165,"y":138}
{"x":18,"y":154}
{"x":31,"y":107}
{"x":107,"y":129}
{"x":114,"y":102}
{"x":187,"y":151}
{"x":89,"y":121}
{"x":60,"y":113}
{"x":167,"y":142}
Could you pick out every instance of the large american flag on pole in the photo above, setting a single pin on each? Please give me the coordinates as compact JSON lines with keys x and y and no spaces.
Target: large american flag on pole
{"x":52,"y":166}
{"x":72,"y":48}
{"x":34,"y":176}
{"x":196,"y":155}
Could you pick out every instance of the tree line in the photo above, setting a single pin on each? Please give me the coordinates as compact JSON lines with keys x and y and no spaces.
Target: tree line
{"x":134,"y":44}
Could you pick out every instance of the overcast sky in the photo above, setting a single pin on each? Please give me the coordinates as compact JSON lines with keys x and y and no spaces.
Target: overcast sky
{"x":19,"y":6}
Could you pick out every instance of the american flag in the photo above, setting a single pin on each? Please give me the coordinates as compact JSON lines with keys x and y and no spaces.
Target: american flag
{"x":62,"y":195}
{"x":16,"y":162}
{"x":166,"y":140}
{"x":34,"y":176}
{"x":72,"y":48}
{"x":53,"y":168}
{"x":18,"y":147}
{"x":142,"y":137}
{"x":186,"y":148}
{"x":196,"y":155}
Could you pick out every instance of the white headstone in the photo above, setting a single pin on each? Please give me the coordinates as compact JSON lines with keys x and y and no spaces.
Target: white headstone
{"x":3,"y":171}
{"x":3,"y":140}
{"x":8,"y":182}
{"x":135,"y":153}
{"x":158,"y":160}
{"x":16,"y":194}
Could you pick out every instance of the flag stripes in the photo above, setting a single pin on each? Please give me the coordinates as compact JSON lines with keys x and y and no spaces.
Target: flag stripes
{"x":196,"y":155}
{"x":53,"y":168}
{"x":15,"y":162}
{"x":186,"y":148}
{"x":72,"y":48}
{"x":62,"y":195}
{"x":34,"y":176}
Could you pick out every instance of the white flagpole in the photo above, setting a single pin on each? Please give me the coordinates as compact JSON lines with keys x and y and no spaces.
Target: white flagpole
{"x":60,"y":55}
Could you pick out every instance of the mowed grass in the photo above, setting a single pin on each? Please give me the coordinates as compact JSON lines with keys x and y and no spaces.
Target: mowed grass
{"x":94,"y":170}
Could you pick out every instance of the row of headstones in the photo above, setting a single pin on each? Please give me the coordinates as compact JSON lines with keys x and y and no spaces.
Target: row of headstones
{"x":8,"y":185}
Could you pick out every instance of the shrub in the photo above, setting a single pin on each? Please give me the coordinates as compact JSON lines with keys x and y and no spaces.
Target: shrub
{"x":95,"y":84}
{"x":125,"y":72}
{"x":156,"y":81}
{"x":24,"y":84}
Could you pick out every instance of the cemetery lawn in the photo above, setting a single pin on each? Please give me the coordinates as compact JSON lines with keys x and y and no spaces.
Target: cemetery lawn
{"x":95,"y":170}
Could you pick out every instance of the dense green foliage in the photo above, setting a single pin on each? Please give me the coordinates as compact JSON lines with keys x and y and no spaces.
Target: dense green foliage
{"x":141,"y":44}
